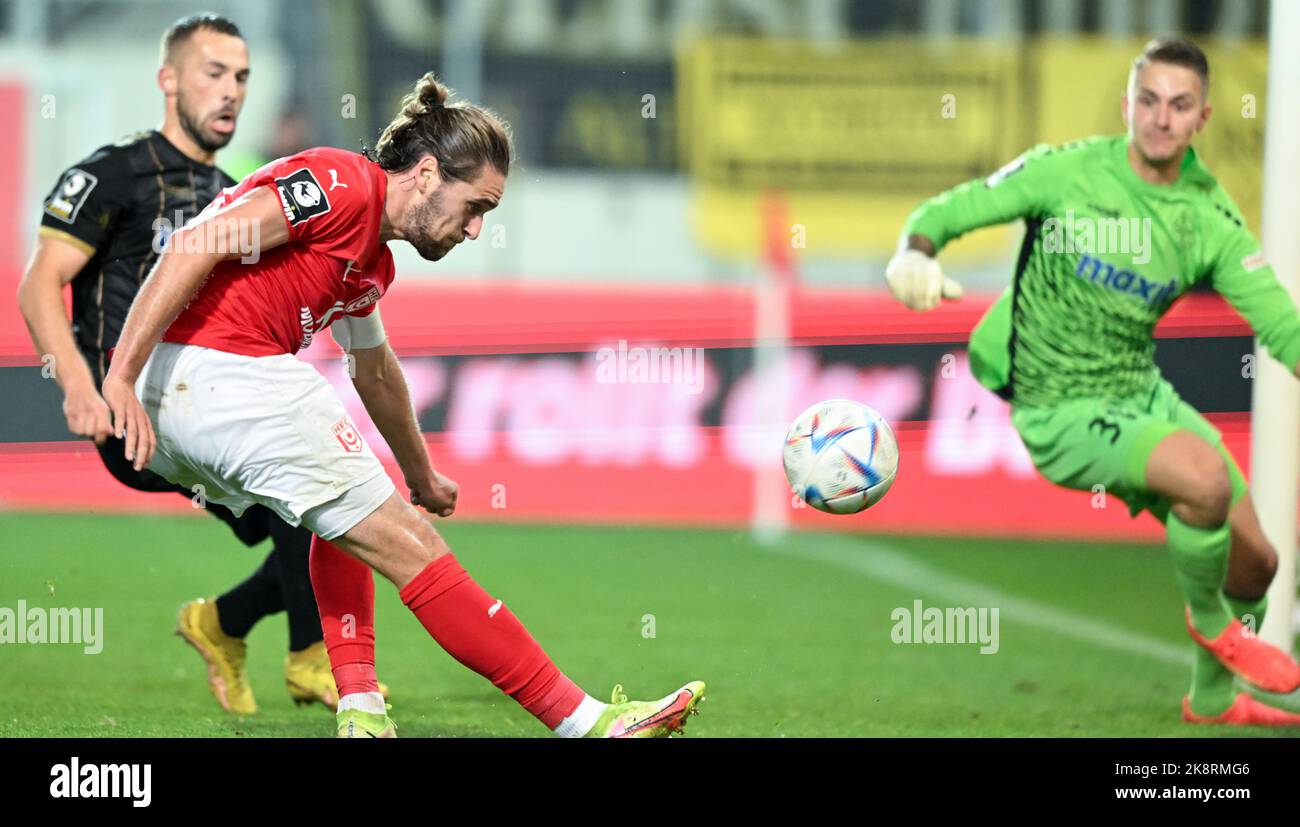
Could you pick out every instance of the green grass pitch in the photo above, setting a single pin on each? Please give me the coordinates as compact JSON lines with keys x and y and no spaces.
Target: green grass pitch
{"x":794,"y":641}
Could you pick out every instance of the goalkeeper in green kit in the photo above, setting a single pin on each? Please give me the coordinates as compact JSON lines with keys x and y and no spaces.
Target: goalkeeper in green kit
{"x":1117,"y":227}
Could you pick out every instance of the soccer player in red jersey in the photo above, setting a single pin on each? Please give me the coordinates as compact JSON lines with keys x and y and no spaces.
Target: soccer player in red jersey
{"x":222,"y":401}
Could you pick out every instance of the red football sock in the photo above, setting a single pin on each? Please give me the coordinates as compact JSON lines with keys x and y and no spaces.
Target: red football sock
{"x":345,"y":595}
{"x":485,"y":636}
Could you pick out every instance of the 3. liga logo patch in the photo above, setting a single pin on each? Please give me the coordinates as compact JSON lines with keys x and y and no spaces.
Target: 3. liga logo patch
{"x":66,"y":200}
{"x":301,"y":196}
{"x":346,"y":433}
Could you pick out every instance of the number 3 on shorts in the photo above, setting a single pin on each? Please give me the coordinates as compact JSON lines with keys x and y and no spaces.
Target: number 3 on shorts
{"x":1105,"y":427}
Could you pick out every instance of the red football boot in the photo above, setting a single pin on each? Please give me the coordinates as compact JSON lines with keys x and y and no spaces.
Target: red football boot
{"x":1245,"y":711}
{"x":1249,"y":657}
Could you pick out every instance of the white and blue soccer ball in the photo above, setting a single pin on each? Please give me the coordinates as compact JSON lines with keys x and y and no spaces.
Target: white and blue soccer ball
{"x":840,"y":456}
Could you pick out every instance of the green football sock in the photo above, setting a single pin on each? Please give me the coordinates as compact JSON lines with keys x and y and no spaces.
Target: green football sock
{"x":1249,"y":612}
{"x":1200,"y":557}
{"x":1212,"y":685}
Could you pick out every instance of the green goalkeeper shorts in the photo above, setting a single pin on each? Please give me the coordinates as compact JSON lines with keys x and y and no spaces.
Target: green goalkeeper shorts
{"x":1083,"y":443}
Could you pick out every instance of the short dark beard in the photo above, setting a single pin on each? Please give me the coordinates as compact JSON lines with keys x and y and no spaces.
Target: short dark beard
{"x":207,"y":143}
{"x":418,"y":219}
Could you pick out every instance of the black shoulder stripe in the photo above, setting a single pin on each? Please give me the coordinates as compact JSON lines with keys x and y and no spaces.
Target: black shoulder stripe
{"x":1228,"y":215}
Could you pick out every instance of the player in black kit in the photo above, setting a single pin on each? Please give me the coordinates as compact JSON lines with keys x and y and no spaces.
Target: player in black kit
{"x":104,"y":225}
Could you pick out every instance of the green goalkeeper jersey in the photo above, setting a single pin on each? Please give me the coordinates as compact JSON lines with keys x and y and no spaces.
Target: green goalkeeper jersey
{"x":1105,"y":255}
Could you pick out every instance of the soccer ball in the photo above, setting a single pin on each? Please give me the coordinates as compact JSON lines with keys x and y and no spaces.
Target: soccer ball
{"x":840,"y":456}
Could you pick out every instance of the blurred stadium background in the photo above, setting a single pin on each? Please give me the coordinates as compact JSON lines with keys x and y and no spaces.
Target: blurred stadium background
{"x":692,"y":173}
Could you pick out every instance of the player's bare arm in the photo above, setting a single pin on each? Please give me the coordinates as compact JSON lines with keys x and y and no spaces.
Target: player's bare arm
{"x":383,"y":390}
{"x":918,"y":242}
{"x":176,"y":278}
{"x":40,"y":299}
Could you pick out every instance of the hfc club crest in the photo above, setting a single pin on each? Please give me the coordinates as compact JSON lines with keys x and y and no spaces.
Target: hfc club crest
{"x":346,"y":433}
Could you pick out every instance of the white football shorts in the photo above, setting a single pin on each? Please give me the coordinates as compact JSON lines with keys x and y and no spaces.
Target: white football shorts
{"x":265,"y":430}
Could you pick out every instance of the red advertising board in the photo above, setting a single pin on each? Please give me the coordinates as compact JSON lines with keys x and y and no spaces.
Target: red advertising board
{"x":528,"y":402}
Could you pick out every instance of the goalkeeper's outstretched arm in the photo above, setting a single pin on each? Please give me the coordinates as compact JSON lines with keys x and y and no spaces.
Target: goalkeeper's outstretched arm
{"x":1018,"y":190}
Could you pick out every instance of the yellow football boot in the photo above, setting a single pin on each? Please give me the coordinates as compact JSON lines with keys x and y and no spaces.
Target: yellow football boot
{"x":198,"y":625}
{"x":308,"y":676}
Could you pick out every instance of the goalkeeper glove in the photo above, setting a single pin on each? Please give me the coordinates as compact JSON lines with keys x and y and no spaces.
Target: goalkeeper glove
{"x":916,"y":280}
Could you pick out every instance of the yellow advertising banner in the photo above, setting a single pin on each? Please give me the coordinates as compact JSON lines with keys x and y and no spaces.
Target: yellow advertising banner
{"x":854,"y":137}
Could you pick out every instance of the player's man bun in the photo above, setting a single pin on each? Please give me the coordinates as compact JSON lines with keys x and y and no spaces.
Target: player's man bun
{"x":461,"y":136}
{"x":429,"y":92}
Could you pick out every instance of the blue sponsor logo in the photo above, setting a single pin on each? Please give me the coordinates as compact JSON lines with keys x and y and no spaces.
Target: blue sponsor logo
{"x":1125,"y":281}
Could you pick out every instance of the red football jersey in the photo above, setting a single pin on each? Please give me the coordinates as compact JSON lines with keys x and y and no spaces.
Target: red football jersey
{"x":333,"y":263}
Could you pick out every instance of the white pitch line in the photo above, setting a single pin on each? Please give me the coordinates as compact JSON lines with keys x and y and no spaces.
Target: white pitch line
{"x":884,"y":564}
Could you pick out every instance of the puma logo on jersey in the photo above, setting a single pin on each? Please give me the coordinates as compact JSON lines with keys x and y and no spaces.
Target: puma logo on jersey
{"x":334,"y":180}
{"x":352,"y":265}
{"x":494,"y":608}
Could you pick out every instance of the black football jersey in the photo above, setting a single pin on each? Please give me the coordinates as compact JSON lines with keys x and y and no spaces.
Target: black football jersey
{"x":119,"y":205}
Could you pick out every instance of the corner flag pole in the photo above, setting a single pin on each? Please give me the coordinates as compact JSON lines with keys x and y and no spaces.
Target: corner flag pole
{"x":1275,"y":424}
{"x":770,"y":516}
